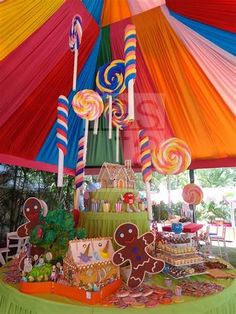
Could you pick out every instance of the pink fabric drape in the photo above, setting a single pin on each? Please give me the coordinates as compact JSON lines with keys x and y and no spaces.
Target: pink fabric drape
{"x":27,"y":66}
{"x":218,"y":65}
{"x":149,"y":104}
{"x":139,"y":6}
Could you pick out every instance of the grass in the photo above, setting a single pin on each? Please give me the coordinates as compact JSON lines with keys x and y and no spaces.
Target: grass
{"x":231,"y":254}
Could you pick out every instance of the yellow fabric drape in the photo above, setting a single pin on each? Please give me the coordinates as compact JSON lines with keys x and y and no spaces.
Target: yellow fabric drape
{"x":196,"y":112}
{"x":19,"y":19}
{"x":114,"y":11}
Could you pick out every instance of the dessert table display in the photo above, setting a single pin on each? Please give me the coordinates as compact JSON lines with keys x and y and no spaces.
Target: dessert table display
{"x":14,"y":301}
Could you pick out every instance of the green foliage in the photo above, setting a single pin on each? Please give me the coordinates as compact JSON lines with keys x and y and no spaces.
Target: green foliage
{"x":210,"y":211}
{"x":156,"y":180}
{"x":219,"y":177}
{"x":160,"y":212}
{"x":57,"y":230}
{"x":81,"y":233}
{"x":37,"y":271}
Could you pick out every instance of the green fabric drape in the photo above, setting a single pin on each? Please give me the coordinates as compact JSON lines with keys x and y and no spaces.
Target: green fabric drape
{"x":100,"y":148}
{"x":104,"y":224}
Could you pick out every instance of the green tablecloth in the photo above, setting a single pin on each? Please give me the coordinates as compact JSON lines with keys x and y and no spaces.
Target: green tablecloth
{"x":104,"y":224}
{"x":14,"y":302}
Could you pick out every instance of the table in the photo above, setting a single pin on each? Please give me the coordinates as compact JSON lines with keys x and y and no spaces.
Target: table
{"x":13,"y":301}
{"x":188,"y":228}
{"x":104,"y":224}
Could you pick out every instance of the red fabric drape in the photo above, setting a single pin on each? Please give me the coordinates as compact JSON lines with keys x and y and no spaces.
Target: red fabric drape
{"x":149,"y":103}
{"x":218,"y":13}
{"x":24,"y":132}
{"x":28,"y":65}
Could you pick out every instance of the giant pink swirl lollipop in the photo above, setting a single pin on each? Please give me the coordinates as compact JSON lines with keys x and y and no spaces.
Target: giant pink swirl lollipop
{"x":172,"y":157}
{"x":120,"y":119}
{"x":192,"y":194}
{"x":88,"y":105}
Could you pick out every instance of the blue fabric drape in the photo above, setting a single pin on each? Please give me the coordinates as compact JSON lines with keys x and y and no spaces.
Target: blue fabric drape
{"x":95,"y":8}
{"x":49,"y":151}
{"x":223,"y":39}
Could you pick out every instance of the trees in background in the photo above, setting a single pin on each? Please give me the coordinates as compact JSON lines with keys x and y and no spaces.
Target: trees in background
{"x":18,"y":183}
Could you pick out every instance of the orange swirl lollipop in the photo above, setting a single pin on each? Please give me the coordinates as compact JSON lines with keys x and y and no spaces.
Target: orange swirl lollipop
{"x":192,"y":194}
{"x":172,"y":157}
{"x":87,"y":104}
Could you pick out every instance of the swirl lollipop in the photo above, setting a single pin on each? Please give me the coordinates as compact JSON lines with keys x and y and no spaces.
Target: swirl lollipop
{"x":119,"y":119}
{"x":88,"y":105}
{"x":74,"y":43}
{"x":110,"y":83}
{"x":172,"y":157}
{"x":192,"y":194}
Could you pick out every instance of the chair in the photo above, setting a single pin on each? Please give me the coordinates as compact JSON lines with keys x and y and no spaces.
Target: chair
{"x":14,"y":243}
{"x":204,"y":241}
{"x":3,"y":250}
{"x":220,"y":238}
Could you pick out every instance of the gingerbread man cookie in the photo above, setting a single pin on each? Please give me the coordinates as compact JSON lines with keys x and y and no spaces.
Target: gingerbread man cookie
{"x":134,"y":250}
{"x":31,"y":210}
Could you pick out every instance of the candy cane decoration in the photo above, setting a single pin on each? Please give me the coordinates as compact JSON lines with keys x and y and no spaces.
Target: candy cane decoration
{"x":146,"y":163}
{"x":62,"y":129}
{"x":130,"y":65}
{"x":75,"y":38}
{"x":79,"y":173}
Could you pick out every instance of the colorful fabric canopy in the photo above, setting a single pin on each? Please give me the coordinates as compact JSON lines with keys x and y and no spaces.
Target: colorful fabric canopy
{"x":185,"y":84}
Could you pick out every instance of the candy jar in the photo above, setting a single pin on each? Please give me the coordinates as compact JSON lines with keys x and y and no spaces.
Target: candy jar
{"x":178,"y":291}
{"x":53,"y":276}
{"x":168,"y":282}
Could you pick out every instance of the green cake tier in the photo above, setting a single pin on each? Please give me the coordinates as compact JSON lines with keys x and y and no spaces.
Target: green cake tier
{"x":112,"y":196}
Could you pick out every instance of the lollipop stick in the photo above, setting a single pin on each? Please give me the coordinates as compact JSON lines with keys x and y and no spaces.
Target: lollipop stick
{"x":60,"y":168}
{"x":85,"y":139}
{"x":75,"y":69}
{"x":131,"y":99}
{"x":110,"y":117}
{"x":149,"y":202}
{"x":76,"y":198}
{"x":117,"y":143}
{"x":95,"y":127}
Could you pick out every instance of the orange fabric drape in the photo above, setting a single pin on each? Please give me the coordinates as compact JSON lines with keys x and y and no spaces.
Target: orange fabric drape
{"x":196,"y":112}
{"x":114,"y":11}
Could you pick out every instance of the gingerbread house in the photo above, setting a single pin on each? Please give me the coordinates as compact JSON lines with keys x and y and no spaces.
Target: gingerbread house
{"x":89,"y":262}
{"x":117,"y":176}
